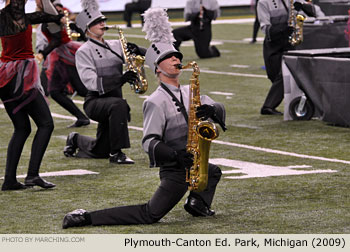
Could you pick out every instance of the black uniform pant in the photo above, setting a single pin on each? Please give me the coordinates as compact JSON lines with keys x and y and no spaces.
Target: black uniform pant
{"x":170,"y":191}
{"x":273,"y":52}
{"x":58,"y":92}
{"x":201,"y":39}
{"x":38,"y":110}
{"x":112,"y":114}
{"x":138,"y":7}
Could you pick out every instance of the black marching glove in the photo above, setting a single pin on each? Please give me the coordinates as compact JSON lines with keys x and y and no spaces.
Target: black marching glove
{"x":205,"y":111}
{"x":75,"y":28}
{"x":208,"y":14}
{"x":192,"y":17}
{"x":58,"y":19}
{"x":184,"y":159}
{"x":280,"y":31}
{"x":298,"y":6}
{"x":307,"y":8}
{"x":128,"y":76}
{"x":134,"y":49}
{"x":289,"y":30}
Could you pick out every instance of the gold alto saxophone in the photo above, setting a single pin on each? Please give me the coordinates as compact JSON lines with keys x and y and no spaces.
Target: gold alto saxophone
{"x":133,"y":63}
{"x":200,"y":135}
{"x":71,"y":35}
{"x":296,"y":21}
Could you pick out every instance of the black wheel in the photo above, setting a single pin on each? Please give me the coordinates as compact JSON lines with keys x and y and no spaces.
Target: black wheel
{"x":305,"y":113}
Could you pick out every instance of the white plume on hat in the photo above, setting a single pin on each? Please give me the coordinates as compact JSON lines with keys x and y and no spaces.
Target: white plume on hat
{"x":159,"y":32}
{"x":90,"y":4}
{"x":157,"y":26}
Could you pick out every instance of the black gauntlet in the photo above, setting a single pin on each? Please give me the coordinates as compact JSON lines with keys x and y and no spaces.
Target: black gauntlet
{"x":205,"y":111}
{"x":184,"y":159}
{"x":128,"y":76}
{"x":135,"y":49}
{"x":309,"y":9}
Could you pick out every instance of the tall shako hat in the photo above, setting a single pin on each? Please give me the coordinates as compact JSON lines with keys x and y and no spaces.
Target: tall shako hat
{"x":90,"y":13}
{"x":159,"y":32}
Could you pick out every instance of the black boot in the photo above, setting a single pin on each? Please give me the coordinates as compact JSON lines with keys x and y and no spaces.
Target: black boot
{"x":80,"y":122}
{"x":12,"y":186}
{"x":71,"y":146}
{"x":120,"y":158}
{"x":197,"y":207}
{"x":76,"y":218}
{"x":38,"y":181}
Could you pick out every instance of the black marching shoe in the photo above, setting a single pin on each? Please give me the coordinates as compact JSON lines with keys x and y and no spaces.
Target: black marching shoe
{"x":197,"y":207}
{"x":71,"y":146}
{"x":80,"y":123}
{"x":269,"y":111}
{"x":76,"y":218}
{"x":38,"y":181}
{"x":13,"y":186}
{"x":120,"y":158}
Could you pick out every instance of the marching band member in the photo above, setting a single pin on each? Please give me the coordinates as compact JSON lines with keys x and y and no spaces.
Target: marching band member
{"x":256,"y":25}
{"x":60,"y":67}
{"x":200,"y":13}
{"x":100,"y":67}
{"x":138,"y":6}
{"x":165,"y":136}
{"x":273,"y":17}
{"x":21,"y":92}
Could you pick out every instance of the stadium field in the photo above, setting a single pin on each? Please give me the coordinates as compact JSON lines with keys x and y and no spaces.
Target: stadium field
{"x":278,"y":177}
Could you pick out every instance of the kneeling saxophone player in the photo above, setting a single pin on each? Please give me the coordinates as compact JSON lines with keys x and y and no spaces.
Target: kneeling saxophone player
{"x":99,"y":63}
{"x":164,"y":139}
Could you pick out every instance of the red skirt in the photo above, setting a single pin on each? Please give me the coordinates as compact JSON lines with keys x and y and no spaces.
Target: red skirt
{"x":57,"y":61}
{"x":27,"y":77}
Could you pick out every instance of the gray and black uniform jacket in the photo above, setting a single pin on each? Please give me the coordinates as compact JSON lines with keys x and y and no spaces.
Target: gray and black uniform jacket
{"x":100,"y":66}
{"x":165,"y":124}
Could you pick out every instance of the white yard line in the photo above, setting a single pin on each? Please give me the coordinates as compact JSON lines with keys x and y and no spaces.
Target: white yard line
{"x":232,"y":74}
{"x":285,"y":153}
{"x":220,"y":93}
{"x":250,"y":147}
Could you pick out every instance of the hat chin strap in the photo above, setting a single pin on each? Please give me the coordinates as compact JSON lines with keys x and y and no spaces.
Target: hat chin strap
{"x":88,"y":29}
{"x":167,"y":74}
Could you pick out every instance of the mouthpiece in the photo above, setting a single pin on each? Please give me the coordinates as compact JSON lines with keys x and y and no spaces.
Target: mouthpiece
{"x":179,"y":66}
{"x":108,"y":27}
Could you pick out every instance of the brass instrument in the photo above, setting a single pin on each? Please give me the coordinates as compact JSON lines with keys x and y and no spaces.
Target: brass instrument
{"x":133,"y":63}
{"x":71,"y":35}
{"x":200,"y":135}
{"x":296,"y":21}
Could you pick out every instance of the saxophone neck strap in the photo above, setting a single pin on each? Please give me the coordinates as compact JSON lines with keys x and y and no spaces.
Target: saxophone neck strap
{"x":106,"y":46}
{"x":180,"y":105}
{"x":285,"y":5}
